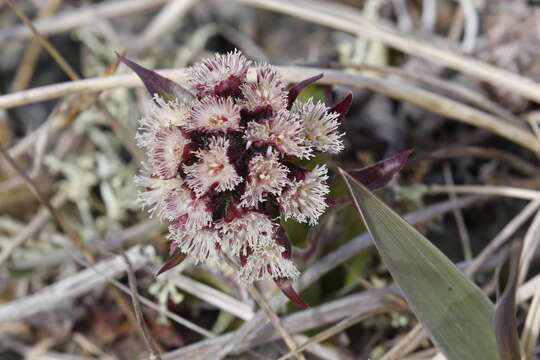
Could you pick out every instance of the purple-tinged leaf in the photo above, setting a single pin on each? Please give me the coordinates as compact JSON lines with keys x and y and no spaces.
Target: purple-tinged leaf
{"x":175,"y":259}
{"x":343,"y":107}
{"x":295,"y":90}
{"x":379,"y":174}
{"x":504,"y":319}
{"x":285,"y":285}
{"x":155,"y":83}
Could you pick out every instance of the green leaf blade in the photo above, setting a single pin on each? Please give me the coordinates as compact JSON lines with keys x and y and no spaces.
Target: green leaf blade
{"x":455,"y":313}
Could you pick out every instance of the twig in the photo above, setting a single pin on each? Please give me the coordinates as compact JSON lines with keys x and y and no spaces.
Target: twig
{"x":72,"y":74}
{"x":80,"y":282}
{"x":80,"y":17}
{"x":165,"y":21}
{"x":527,"y":290}
{"x":86,"y":344}
{"x":531,"y":329}
{"x":274,"y":319}
{"x":73,"y":286}
{"x":406,"y":344}
{"x":405,"y":22}
{"x":38,"y":221}
{"x":328,"y":333}
{"x":212,"y":296}
{"x":59,"y":59}
{"x":348,"y":19}
{"x":453,"y":88}
{"x":26,"y":351}
{"x":509,"y":229}
{"x":368,"y":302}
{"x":31,"y":55}
{"x":429,"y":15}
{"x":337,"y":257}
{"x":143,"y":329}
{"x":505,"y":191}
{"x":458,"y":215}
{"x":516,"y":162}
{"x":59,"y":219}
{"x":110,"y":242}
{"x":323,"y":352}
{"x":530,"y":244}
{"x":472,"y":25}
{"x":395,"y":89}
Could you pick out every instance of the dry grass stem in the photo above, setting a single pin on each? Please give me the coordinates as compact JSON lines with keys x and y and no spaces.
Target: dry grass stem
{"x":505,"y":191}
{"x":397,"y":90}
{"x":53,"y":296}
{"x":164,"y":22}
{"x":347,"y":19}
{"x":268,"y":311}
{"x":506,"y":232}
{"x":369,"y":301}
{"x":406,"y":344}
{"x":328,"y":333}
{"x":530,"y":244}
{"x":58,"y":58}
{"x":143,"y":329}
{"x":59,"y":219}
{"x":31,"y":55}
{"x":475,"y":98}
{"x":212,"y":296}
{"x":336,"y":258}
{"x":82,"y":16}
{"x":531,"y":329}
{"x":458,"y":215}
{"x":439,"y":77}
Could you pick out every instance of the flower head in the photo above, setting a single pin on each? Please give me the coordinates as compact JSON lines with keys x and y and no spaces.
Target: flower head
{"x":183,"y":207}
{"x":162,"y":114}
{"x":213,"y":170}
{"x":167,"y":151}
{"x":267,"y":175}
{"x":249,"y":230}
{"x":304,"y":200}
{"x":267,"y":93}
{"x":201,"y":244}
{"x":224,"y":163}
{"x":215,"y":114}
{"x":219,"y":74}
{"x":267,"y":261}
{"x":284,"y":132}
{"x":156,"y":192}
{"x":320,"y":126}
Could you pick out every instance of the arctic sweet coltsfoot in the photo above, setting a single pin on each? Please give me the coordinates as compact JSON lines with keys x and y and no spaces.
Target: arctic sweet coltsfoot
{"x":223,"y":162}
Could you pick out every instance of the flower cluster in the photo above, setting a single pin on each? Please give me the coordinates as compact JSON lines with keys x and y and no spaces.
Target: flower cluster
{"x":223,"y":161}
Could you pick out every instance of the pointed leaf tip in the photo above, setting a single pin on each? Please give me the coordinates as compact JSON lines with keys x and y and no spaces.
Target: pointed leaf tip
{"x":343,"y":107}
{"x":296,"y":89}
{"x":378,"y":175}
{"x":174,"y":260}
{"x":285,"y":285}
{"x":155,"y":83}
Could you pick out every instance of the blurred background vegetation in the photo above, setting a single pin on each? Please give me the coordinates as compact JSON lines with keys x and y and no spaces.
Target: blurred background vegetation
{"x":457,"y":81}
